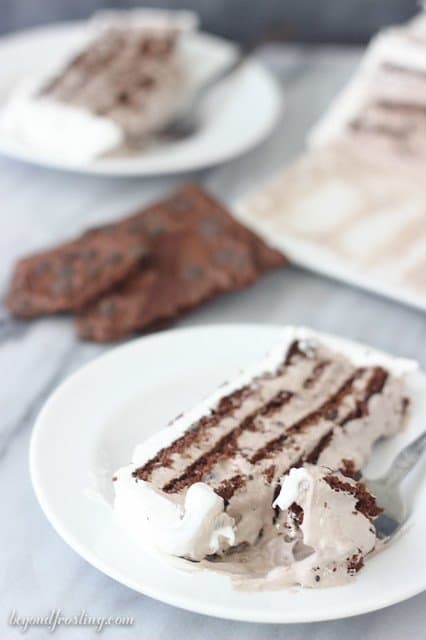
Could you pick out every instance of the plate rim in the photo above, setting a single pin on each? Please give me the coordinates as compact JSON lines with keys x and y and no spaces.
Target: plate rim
{"x":108,"y":167}
{"x":183,"y":602}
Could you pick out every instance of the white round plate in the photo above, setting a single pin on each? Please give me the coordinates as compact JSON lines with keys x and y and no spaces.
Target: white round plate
{"x":102,"y":411}
{"x":238,"y":114}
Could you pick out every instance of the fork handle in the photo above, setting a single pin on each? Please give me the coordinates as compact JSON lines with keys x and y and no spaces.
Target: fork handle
{"x":218,"y":77}
{"x":405,"y":460}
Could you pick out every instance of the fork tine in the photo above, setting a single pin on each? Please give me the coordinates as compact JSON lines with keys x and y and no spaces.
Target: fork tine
{"x":385,"y":526}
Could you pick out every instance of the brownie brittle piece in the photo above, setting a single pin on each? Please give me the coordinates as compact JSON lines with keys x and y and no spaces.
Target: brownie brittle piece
{"x":74,"y":274}
{"x":198,"y":250}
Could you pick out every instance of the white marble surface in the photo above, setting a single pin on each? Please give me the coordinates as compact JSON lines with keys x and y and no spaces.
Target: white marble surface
{"x":38,"y":571}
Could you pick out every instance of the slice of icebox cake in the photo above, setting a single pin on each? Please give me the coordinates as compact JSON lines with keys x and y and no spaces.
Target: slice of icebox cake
{"x":261,"y":480}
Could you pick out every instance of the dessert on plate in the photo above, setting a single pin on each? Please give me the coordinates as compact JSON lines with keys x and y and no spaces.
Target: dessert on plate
{"x":253,"y":480}
{"x":123,"y":83}
{"x":353,"y":206}
{"x":382,"y":111}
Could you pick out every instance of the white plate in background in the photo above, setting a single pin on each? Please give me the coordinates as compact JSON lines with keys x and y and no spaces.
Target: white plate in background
{"x":349,"y":216}
{"x":97,"y":416}
{"x":238,"y":115}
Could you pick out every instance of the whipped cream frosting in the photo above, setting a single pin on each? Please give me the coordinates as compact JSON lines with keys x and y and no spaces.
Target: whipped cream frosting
{"x":68,"y":123}
{"x":197,"y":522}
{"x":57,"y":129}
{"x":202,"y":519}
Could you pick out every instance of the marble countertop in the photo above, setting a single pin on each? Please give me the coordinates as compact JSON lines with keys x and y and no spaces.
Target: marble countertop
{"x":38,"y":571}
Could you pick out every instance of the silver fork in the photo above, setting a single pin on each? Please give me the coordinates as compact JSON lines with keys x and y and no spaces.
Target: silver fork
{"x":386,"y":489}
